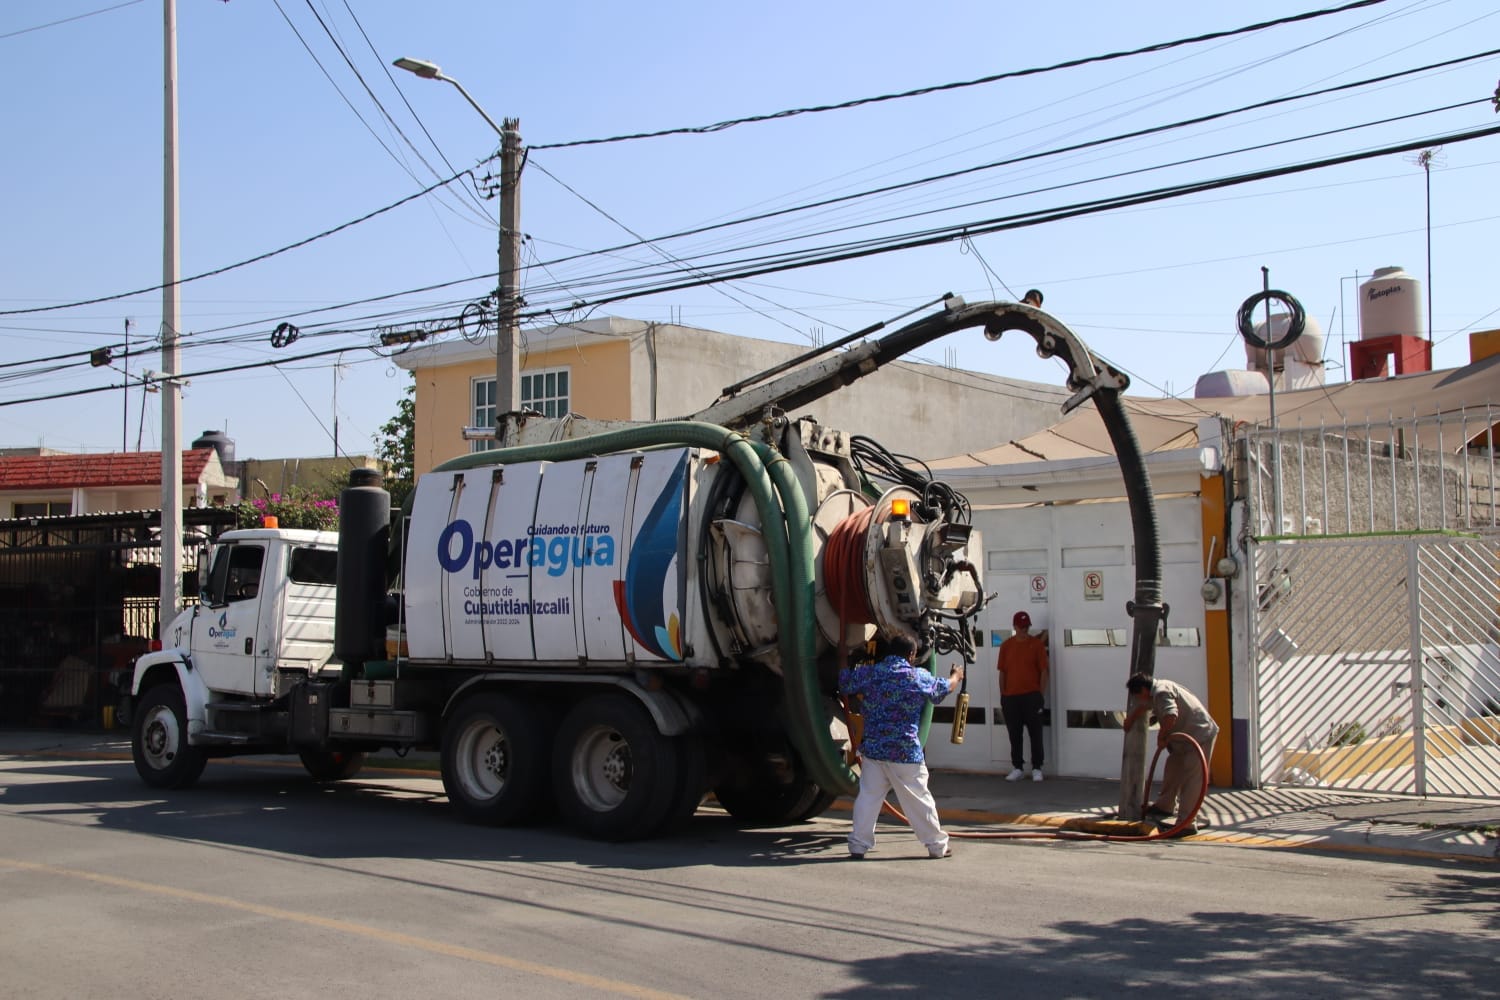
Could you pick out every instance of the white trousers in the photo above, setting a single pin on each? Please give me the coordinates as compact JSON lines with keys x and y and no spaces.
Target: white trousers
{"x":876,"y":778}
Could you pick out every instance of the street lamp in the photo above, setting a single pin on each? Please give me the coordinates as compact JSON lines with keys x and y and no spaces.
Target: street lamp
{"x":507,"y":356}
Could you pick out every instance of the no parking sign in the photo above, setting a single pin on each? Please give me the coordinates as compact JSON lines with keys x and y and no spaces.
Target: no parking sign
{"x":1039,"y":588}
{"x":1093,"y":585}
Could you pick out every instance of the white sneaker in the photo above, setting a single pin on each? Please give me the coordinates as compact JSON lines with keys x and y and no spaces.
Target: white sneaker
{"x":1036,"y":775}
{"x":1015,"y":775}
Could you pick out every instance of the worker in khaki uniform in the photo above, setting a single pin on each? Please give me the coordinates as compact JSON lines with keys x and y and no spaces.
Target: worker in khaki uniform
{"x":1023,"y":693}
{"x":1177,"y":710}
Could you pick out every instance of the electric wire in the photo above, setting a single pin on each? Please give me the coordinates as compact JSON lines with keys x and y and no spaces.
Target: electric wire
{"x":959,"y":85}
{"x":250,"y":260}
{"x":66,"y":20}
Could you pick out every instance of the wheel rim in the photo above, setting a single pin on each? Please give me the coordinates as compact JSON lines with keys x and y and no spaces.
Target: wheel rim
{"x":483,"y":760}
{"x":161,"y":737}
{"x":602,"y":768}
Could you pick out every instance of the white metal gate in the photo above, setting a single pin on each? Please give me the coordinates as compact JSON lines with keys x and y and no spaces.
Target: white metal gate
{"x":1375,"y":663}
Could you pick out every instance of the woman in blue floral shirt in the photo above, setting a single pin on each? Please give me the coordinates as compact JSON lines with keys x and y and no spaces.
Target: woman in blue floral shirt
{"x":893,"y":694}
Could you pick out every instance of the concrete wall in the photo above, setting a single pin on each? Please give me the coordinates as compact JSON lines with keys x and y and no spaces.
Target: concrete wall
{"x":263,"y":477}
{"x":1336,"y":485}
{"x":629,"y":369}
{"x":922,"y":410}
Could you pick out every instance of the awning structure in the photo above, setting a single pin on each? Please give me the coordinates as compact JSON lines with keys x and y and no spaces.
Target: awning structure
{"x":1467,"y":396}
{"x":1184,"y":438}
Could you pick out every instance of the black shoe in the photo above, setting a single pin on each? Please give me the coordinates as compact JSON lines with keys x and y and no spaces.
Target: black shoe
{"x":1188,"y":831}
{"x":853,"y":856}
{"x":1154,"y":813}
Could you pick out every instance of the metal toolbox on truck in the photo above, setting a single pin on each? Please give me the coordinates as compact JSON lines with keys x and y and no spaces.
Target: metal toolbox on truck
{"x":372,"y":694}
{"x":376,"y":723}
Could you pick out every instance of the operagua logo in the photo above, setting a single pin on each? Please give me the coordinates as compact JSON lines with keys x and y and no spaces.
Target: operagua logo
{"x":553,"y":546}
{"x":225,"y":630}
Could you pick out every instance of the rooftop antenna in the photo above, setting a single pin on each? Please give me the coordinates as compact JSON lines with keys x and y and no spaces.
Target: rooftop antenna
{"x":1425,"y":159}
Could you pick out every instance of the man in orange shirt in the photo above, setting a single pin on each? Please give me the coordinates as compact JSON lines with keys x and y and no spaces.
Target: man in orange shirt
{"x":1023,"y":686}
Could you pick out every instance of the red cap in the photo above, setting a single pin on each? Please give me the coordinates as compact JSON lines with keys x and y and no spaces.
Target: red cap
{"x":1021,"y":620}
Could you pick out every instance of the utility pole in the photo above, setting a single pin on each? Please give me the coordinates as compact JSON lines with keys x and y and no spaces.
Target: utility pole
{"x":171,"y":319}
{"x":507,"y":351}
{"x":125,"y":402}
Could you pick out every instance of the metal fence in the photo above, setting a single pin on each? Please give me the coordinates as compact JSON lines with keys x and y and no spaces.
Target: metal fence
{"x":78,"y":603}
{"x":1403,"y":473}
{"x":1376,"y":665}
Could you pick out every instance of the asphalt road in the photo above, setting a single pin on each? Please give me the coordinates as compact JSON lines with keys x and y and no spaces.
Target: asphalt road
{"x":258,"y":883}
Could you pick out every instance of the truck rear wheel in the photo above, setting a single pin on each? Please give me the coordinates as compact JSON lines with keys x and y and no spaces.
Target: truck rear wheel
{"x":158,"y":740}
{"x":494,"y":760}
{"x":331,"y":765}
{"x":615,"y":776}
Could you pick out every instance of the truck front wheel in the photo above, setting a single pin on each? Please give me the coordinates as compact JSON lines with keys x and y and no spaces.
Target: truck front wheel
{"x":616,"y":777}
{"x":158,"y":741}
{"x":494,"y":759}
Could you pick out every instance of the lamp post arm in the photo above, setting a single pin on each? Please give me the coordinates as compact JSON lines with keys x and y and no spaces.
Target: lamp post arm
{"x":473,"y":103}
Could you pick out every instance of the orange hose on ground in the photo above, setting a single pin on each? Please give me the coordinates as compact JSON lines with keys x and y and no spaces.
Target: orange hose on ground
{"x":1168,"y":834}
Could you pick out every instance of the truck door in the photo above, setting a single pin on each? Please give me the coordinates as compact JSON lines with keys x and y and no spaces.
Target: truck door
{"x":224,"y":643}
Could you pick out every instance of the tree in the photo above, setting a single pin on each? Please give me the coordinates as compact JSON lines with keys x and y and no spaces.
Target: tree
{"x":396,"y":443}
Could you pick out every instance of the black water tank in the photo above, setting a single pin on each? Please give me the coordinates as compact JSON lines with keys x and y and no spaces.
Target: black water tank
{"x":219,"y":442}
{"x":364,"y":534}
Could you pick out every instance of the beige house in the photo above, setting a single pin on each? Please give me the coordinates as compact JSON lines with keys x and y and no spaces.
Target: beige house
{"x":621,"y":369}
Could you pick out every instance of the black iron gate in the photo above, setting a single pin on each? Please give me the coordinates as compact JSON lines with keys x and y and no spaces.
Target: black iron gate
{"x":78,"y":603}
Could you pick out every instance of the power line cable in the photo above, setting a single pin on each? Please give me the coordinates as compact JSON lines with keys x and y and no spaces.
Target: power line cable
{"x":252,"y":260}
{"x":753,"y":267}
{"x":939,"y":88}
{"x":65,"y":20}
{"x":1028,"y":157}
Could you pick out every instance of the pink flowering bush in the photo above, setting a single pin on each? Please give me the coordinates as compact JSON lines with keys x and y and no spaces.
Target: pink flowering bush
{"x":298,"y":507}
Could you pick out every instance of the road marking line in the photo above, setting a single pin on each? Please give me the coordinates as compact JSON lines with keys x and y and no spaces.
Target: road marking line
{"x":363,"y":930}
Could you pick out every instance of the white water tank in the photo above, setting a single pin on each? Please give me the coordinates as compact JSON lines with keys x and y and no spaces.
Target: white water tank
{"x":1231,"y":382}
{"x":1305,"y":350}
{"x":1390,"y":303}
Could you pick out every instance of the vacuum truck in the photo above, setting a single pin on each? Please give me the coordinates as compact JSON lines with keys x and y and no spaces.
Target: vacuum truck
{"x":605,"y":626}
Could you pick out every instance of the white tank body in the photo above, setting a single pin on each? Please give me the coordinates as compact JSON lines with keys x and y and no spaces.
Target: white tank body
{"x":566,"y":562}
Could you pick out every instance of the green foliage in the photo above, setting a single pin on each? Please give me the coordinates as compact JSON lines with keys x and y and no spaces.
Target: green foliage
{"x":296,"y":508}
{"x":1347,"y":734}
{"x":396,"y":443}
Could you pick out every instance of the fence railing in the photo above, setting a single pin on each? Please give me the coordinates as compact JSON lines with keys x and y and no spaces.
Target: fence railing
{"x":1403,"y":473}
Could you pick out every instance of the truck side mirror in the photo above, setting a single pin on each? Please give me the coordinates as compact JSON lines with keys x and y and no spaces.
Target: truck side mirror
{"x":203,"y":555}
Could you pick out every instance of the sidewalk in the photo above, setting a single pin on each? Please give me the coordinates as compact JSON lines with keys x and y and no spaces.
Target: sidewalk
{"x":1271,"y":818}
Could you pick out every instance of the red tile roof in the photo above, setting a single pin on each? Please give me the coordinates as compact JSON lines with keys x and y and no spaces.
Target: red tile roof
{"x":131,"y":468}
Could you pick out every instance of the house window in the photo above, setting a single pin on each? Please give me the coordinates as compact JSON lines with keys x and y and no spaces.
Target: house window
{"x":43,"y":508}
{"x":548,"y":392}
{"x":483,"y":396}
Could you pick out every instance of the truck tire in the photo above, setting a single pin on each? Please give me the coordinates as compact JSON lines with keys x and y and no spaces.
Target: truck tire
{"x":494,"y":760}
{"x":331,"y":765}
{"x":760,"y":801}
{"x":615,"y":776}
{"x":158,"y":740}
{"x":692,"y":781}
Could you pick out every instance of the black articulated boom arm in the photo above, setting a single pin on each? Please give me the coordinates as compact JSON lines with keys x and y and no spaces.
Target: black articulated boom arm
{"x":1088,"y":377}
{"x":745,"y":402}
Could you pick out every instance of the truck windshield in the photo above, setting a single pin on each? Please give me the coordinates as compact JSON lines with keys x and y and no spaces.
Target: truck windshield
{"x":235,"y":575}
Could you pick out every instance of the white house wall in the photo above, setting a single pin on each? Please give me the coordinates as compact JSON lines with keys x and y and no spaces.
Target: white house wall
{"x":1042,"y":560}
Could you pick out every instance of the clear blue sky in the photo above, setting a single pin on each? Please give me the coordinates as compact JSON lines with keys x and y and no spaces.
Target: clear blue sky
{"x":272,"y":153}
